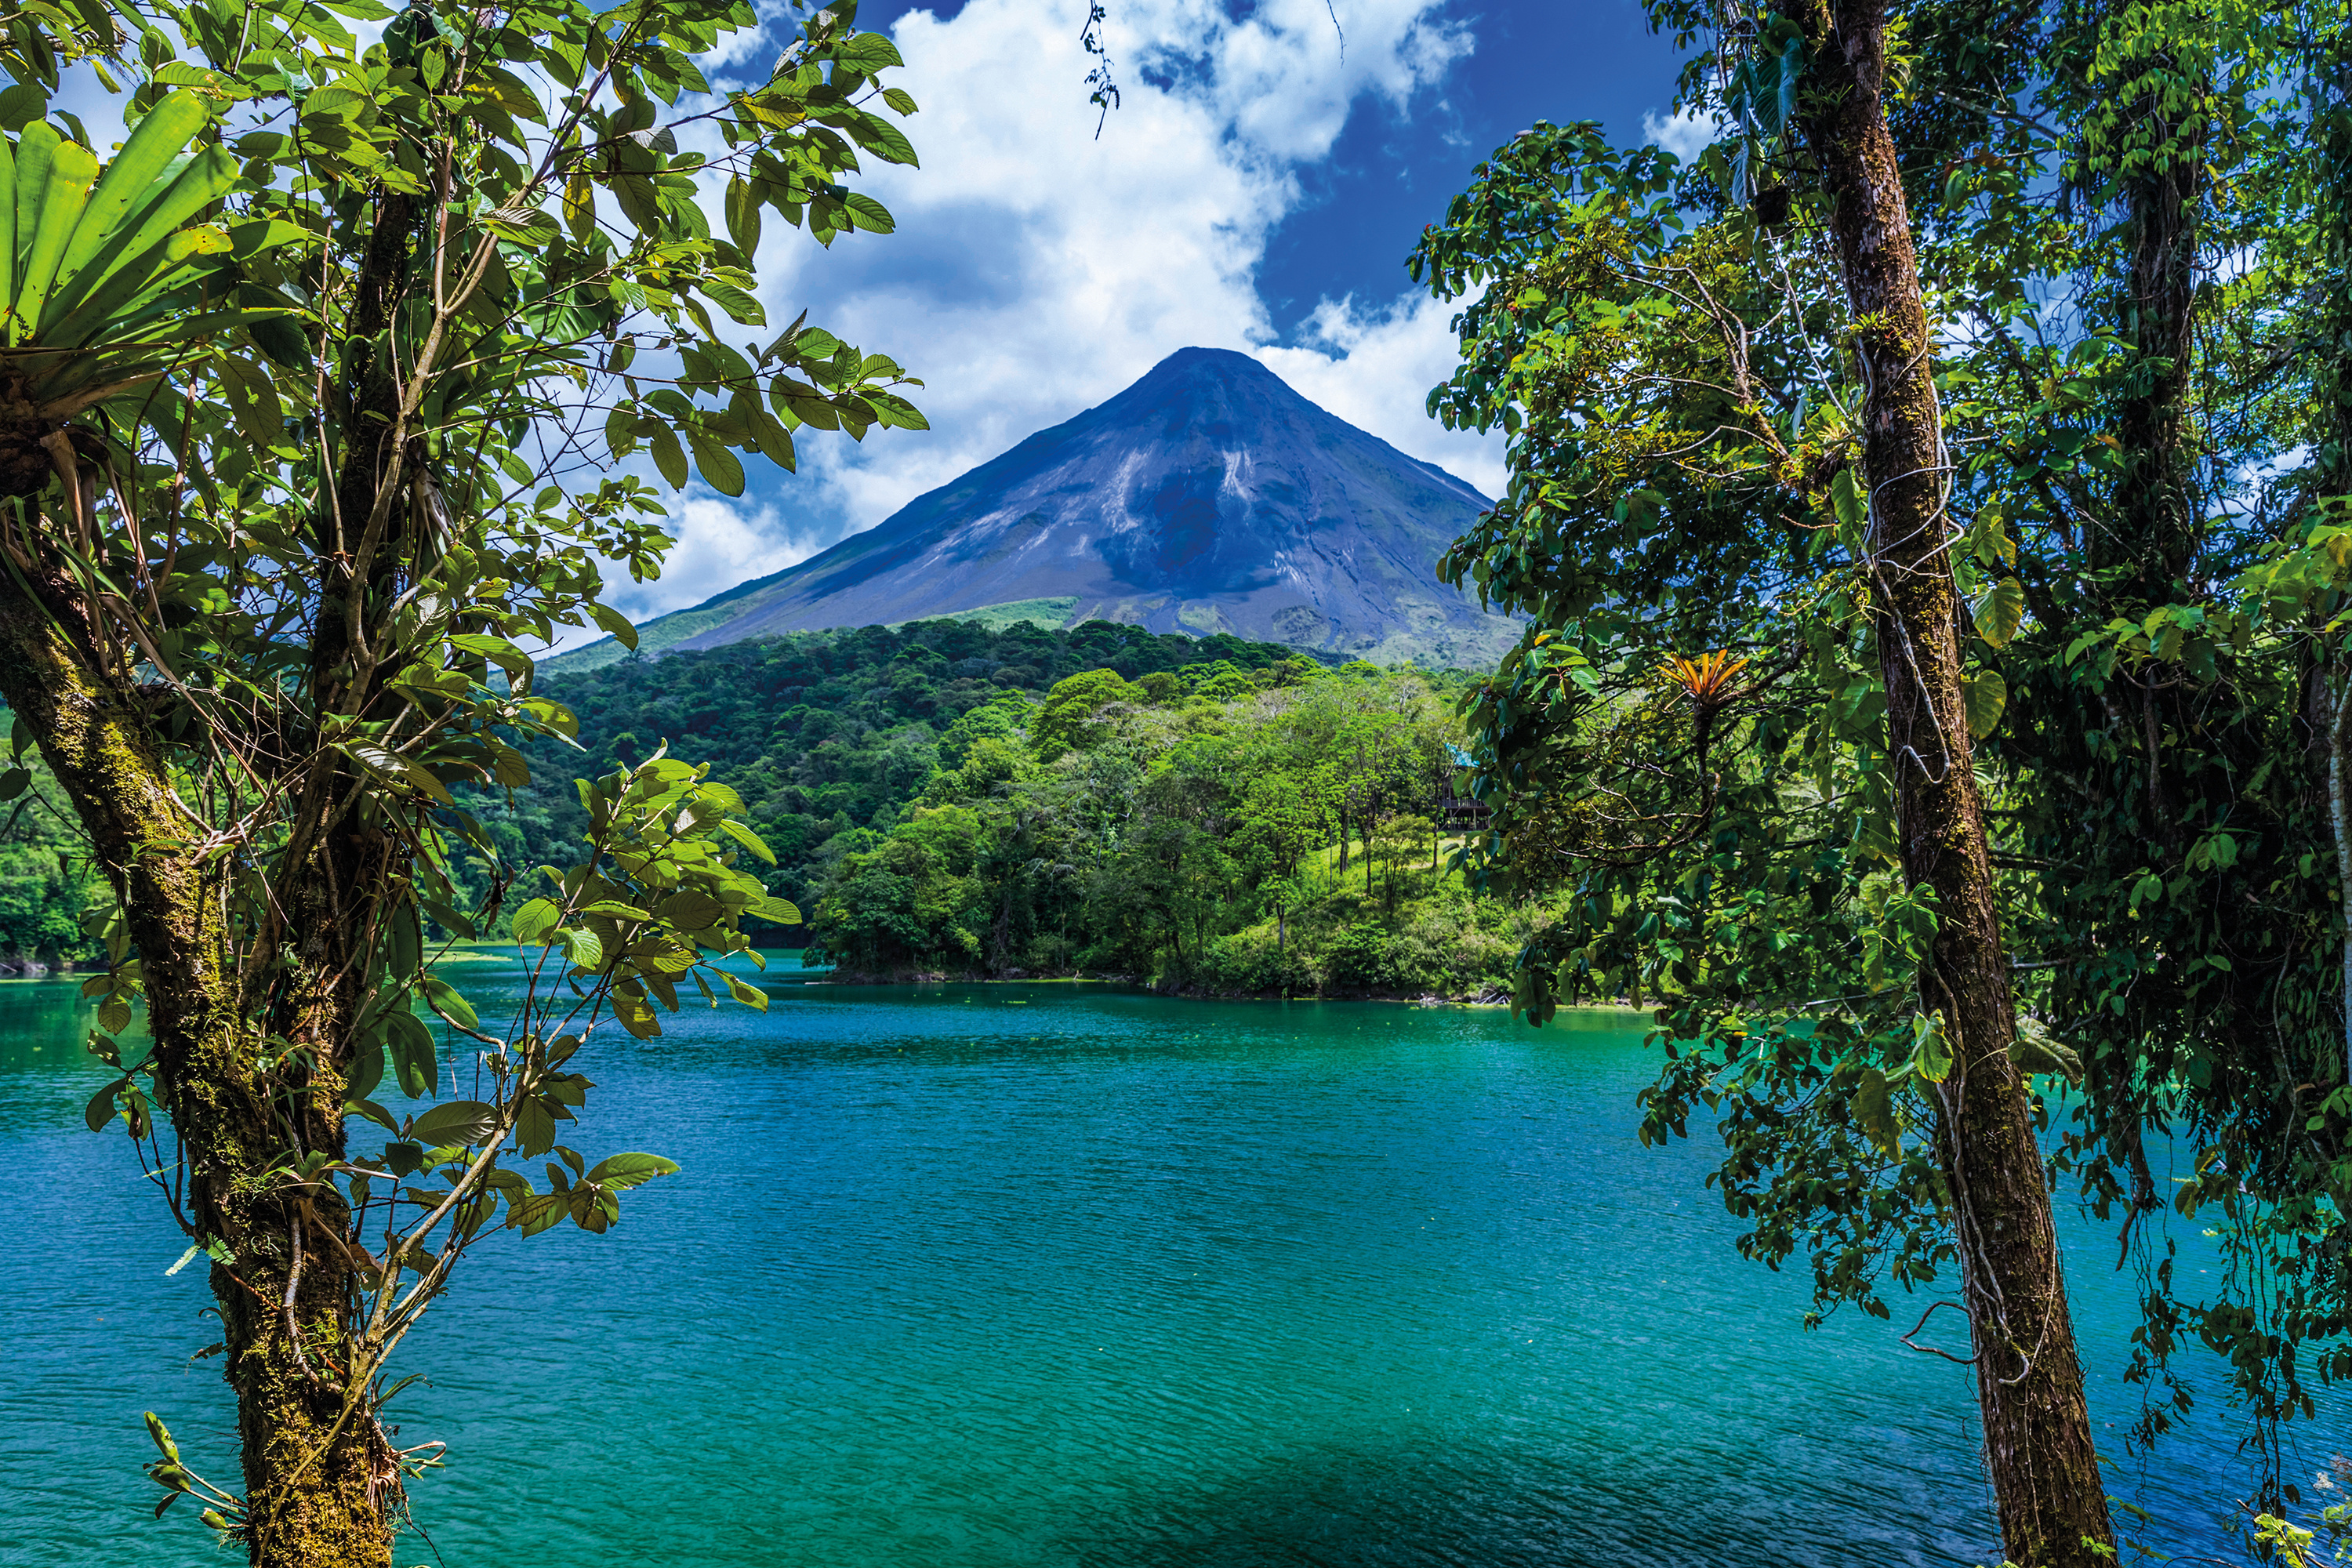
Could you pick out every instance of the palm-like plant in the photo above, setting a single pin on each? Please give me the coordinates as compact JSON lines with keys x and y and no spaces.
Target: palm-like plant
{"x":103,"y":278}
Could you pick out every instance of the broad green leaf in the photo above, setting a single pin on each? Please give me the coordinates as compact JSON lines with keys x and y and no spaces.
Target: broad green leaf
{"x":750,"y":840}
{"x":690,"y":910}
{"x":670,"y":458}
{"x":535,"y":920}
{"x":71,"y":171}
{"x":1997,"y":614}
{"x":446,"y":1000}
{"x":741,"y":306}
{"x":1931,"y":1053}
{"x":622,"y":1172}
{"x":719,"y":467}
{"x":100,"y":1113}
{"x":615,"y":623}
{"x":462,"y":1121}
{"x":2037,"y":1050}
{"x":750,"y":995}
{"x":872,"y":215}
{"x":583,"y":948}
{"x":1984,"y":695}
{"x":409,"y":1043}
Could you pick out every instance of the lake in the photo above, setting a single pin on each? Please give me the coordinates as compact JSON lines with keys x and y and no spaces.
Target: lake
{"x":1028,"y":1277}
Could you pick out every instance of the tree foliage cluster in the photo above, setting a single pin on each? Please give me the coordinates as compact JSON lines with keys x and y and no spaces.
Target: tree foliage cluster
{"x":2120,"y":541}
{"x":326,"y":385}
{"x":825,"y":734}
{"x":1281,"y":834}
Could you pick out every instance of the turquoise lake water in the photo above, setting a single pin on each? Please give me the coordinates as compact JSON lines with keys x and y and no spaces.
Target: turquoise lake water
{"x":1051,"y":1276}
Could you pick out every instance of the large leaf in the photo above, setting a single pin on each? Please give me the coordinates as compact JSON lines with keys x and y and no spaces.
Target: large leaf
{"x":70,"y":172}
{"x":1984,"y":694}
{"x":458,"y":1122}
{"x":621,"y":1172}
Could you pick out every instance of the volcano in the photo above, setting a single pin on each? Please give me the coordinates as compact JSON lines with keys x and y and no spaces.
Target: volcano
{"x":1208,"y":497}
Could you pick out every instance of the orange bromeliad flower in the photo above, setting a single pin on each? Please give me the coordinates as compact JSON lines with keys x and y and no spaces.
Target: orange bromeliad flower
{"x":1706,"y":680}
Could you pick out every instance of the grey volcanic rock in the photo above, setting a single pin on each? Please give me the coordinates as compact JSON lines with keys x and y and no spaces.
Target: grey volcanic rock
{"x":1207,"y":497}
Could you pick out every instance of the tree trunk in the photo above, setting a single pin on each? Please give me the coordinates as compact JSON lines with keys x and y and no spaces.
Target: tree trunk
{"x":2038,"y":1442}
{"x":321,"y":1482}
{"x":314,"y":1489}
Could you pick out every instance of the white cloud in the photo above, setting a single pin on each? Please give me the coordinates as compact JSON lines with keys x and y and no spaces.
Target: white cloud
{"x":1686,"y":132}
{"x":1365,"y":359}
{"x":1036,"y":270}
{"x":721,"y":542}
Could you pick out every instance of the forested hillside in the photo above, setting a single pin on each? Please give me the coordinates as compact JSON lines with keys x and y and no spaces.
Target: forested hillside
{"x":46,"y":881}
{"x":943,"y":798}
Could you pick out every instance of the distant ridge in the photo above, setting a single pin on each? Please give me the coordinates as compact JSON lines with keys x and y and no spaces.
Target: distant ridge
{"x":1207,"y":497}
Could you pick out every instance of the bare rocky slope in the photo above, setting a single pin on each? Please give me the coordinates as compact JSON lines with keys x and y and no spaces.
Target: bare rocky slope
{"x":1207,"y":497}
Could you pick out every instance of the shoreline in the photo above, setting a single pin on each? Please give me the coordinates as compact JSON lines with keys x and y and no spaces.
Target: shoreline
{"x":1493,"y":996}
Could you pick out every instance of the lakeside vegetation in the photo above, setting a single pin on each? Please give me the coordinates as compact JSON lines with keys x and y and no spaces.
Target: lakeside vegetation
{"x":1208,"y":814}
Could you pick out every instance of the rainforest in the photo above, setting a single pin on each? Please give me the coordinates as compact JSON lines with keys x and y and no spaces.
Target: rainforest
{"x":1749,"y":961}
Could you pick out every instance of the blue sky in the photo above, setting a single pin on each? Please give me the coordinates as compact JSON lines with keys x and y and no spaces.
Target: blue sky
{"x":1258,"y":190}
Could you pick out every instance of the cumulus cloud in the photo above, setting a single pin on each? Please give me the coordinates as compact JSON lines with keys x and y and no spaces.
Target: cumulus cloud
{"x":1036,"y":270}
{"x":720,"y":543}
{"x":1686,"y":132}
{"x":1362,"y":364}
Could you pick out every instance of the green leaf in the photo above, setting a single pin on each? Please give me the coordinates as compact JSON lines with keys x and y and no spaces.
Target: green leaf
{"x":534,"y":1215}
{"x":872,"y":215}
{"x":445,"y":1000}
{"x":1873,"y":1112}
{"x":750,"y":995}
{"x":100,"y":1113}
{"x":1998,"y":614}
{"x":734,"y":302}
{"x":747,"y":839}
{"x":670,"y":458}
{"x":719,"y":467}
{"x":622,"y":1172}
{"x":391,"y":765}
{"x":884,"y":140}
{"x":1984,"y":695}
{"x":459,"y":1121}
{"x":1853,"y":514}
{"x":615,"y":623}
{"x":72,"y":171}
{"x":2037,"y":1050}
{"x":20,"y":106}
{"x":584,"y":949}
{"x":415,"y":1062}
{"x":1931,"y":1053}
{"x":690,"y":910}
{"x":535,"y":920}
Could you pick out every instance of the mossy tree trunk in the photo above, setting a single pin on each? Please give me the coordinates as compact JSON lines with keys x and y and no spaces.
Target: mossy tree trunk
{"x":316,"y":1480}
{"x":2038,"y":1441}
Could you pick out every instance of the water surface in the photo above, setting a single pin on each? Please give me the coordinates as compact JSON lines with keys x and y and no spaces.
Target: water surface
{"x":1042,"y":1277}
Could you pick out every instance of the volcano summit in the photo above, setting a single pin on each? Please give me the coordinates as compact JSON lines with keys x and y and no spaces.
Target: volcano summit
{"x":1208,"y":497}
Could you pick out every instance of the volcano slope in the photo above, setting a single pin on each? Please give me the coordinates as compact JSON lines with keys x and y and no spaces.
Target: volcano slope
{"x":1208,"y":497}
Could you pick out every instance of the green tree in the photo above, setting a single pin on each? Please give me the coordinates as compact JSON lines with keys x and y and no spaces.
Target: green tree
{"x":1713,"y":731}
{"x":1067,"y":721}
{"x":316,"y":391}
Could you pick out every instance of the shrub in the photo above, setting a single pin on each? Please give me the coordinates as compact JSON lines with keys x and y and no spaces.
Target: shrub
{"x":1362,"y":958}
{"x":1250,"y":961}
